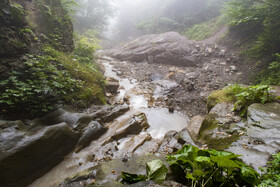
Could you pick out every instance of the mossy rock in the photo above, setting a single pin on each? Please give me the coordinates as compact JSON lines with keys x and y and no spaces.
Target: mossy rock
{"x":219,"y":96}
{"x":208,"y":134}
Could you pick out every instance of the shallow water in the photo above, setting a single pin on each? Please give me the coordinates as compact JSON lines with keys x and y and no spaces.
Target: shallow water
{"x":159,"y":119}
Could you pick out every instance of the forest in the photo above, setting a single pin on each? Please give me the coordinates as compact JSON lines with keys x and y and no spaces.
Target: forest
{"x":140,"y":93}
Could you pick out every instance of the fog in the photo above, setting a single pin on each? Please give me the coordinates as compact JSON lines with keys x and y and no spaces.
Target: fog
{"x":121,"y":20}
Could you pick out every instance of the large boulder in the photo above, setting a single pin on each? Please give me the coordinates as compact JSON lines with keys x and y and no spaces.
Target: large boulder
{"x":25,"y":157}
{"x":166,"y":48}
{"x":194,"y":126}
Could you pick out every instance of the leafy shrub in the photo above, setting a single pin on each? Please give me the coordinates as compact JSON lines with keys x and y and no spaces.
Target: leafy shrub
{"x":261,"y":20}
{"x":197,"y":167}
{"x":252,"y":94}
{"x":271,"y":75}
{"x":93,"y":81}
{"x":85,"y":46}
{"x":272,"y":173}
{"x":240,"y":95}
{"x":45,"y":79}
{"x":34,"y":91}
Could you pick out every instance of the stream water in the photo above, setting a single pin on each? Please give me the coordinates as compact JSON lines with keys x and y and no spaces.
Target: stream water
{"x":141,"y":100}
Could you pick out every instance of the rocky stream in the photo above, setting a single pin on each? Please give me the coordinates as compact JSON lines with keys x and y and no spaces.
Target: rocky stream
{"x":157,"y":87}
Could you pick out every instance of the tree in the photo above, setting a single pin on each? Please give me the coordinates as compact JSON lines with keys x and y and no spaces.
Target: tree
{"x":260,"y":17}
{"x":93,"y":14}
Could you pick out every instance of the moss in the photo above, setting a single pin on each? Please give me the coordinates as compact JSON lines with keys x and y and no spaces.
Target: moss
{"x":221,"y":143}
{"x":227,"y":95}
{"x":219,"y":96}
{"x":207,"y":134}
{"x":209,"y":123}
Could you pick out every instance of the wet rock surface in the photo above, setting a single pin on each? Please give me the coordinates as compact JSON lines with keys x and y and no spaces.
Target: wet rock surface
{"x":92,"y":132}
{"x":221,"y":127}
{"x":256,"y":137}
{"x":261,"y":139}
{"x":23,"y":158}
{"x":109,"y":173}
{"x":134,"y":126}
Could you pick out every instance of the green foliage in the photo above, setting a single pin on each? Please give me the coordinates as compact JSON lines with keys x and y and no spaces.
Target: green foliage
{"x":271,"y":178}
{"x":211,"y":168}
{"x":26,"y":30}
{"x":227,"y":95}
{"x":17,"y":13}
{"x":206,"y":29}
{"x":34,"y":91}
{"x":58,"y":25}
{"x":240,"y":95}
{"x":260,"y":19}
{"x":250,"y":95}
{"x":85,"y":46}
{"x":271,"y":75}
{"x":156,"y":170}
{"x":93,"y":80}
{"x":128,"y":178}
{"x":70,"y":6}
{"x":46,"y":79}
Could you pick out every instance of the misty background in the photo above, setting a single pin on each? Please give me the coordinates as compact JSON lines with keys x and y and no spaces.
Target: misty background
{"x":117,"y":21}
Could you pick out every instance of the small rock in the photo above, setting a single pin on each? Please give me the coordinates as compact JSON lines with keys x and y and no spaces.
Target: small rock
{"x":233,"y":68}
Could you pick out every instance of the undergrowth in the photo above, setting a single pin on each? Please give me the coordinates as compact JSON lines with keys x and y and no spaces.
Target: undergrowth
{"x":271,"y":75}
{"x":206,"y":29}
{"x":51,"y":77}
{"x":271,"y":176}
{"x":241,"y":96}
{"x":194,"y":167}
{"x":93,"y":81}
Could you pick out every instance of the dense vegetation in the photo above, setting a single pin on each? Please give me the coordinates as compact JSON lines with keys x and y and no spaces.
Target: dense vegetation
{"x":258,"y":25}
{"x":52,"y":72}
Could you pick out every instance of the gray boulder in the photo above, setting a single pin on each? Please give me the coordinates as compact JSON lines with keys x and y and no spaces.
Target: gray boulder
{"x":165,"y":48}
{"x":23,"y":157}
